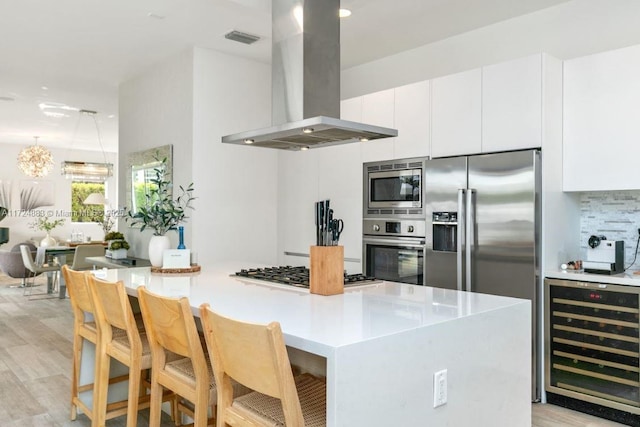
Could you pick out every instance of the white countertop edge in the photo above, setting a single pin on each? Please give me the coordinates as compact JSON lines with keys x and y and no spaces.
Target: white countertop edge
{"x":616,"y":279}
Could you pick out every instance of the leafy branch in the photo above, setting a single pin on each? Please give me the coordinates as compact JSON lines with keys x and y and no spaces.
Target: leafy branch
{"x":161,"y":212}
{"x":43,"y":223}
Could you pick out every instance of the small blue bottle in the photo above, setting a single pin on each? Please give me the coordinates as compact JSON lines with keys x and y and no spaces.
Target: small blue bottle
{"x":181,"y":237}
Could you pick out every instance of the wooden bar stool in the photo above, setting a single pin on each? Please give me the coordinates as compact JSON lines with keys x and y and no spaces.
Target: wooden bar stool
{"x":119,"y":338}
{"x":171,"y":327}
{"x":256,"y":356}
{"x":84,"y":328}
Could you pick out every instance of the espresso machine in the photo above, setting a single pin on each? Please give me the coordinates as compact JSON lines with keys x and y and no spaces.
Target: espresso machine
{"x":604,"y":256}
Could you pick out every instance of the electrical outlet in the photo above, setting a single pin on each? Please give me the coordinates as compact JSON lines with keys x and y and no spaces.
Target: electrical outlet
{"x":440,"y":388}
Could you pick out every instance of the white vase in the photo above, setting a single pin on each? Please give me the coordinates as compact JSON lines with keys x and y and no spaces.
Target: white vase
{"x":157,"y":246}
{"x":48,"y":241}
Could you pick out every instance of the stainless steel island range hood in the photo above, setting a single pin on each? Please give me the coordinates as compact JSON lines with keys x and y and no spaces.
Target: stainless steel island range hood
{"x":305,"y":76}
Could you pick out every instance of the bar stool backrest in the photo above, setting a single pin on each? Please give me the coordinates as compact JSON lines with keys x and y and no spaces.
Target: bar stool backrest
{"x":255,"y":356}
{"x":170,"y":326}
{"x":81,"y":300}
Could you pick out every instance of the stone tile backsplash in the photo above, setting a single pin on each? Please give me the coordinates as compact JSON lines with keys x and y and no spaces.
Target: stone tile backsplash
{"x":614,"y":214}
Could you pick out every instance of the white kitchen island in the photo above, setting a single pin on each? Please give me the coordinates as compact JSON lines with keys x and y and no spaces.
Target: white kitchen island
{"x":380,"y":345}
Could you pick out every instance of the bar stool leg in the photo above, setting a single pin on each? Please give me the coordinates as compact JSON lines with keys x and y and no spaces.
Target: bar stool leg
{"x":134,"y":393}
{"x":156,"y":404}
{"x":75,"y":374}
{"x":100,"y":389}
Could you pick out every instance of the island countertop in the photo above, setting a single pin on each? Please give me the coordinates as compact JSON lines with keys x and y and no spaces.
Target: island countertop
{"x":316,"y":323}
{"x":381,"y":344}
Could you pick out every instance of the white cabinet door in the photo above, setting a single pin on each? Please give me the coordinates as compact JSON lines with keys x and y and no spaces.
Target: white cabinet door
{"x":378,"y":109}
{"x":340,"y":180}
{"x":602,"y":121}
{"x":351,"y":109}
{"x":512,"y":105}
{"x":412,"y":120}
{"x":298,"y":180}
{"x":456,"y":114}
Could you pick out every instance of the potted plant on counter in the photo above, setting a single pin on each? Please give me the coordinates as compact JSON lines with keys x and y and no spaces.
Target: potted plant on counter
{"x":162,"y":212}
{"x":117,"y":249}
{"x":43,"y":223}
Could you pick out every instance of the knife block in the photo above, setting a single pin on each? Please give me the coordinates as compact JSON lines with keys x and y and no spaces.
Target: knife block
{"x":326,"y":276}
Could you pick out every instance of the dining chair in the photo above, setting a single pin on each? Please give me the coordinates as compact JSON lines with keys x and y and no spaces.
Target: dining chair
{"x":37,"y":268}
{"x":255,"y":356}
{"x":84,"y":251}
{"x":171,"y":327}
{"x":119,"y":338}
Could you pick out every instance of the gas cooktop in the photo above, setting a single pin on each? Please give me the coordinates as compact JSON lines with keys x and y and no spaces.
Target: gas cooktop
{"x":297,"y":276}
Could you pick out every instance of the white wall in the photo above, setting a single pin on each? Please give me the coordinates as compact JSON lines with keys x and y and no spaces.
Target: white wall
{"x":191,"y":101}
{"x":569,"y":30}
{"x":156,"y":109}
{"x":236,"y":186}
{"x":12,"y":177}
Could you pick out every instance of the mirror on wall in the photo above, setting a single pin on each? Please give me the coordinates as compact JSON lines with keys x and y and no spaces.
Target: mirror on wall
{"x":141,"y":170}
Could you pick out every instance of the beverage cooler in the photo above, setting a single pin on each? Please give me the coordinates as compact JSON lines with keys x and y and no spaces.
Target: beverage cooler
{"x":592,"y":348}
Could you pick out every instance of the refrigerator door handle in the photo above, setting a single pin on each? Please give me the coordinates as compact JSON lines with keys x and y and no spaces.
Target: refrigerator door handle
{"x":469,"y":237}
{"x":461,"y":238}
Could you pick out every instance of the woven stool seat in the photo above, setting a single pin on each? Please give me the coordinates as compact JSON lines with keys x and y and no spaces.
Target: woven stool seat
{"x":312,"y":395}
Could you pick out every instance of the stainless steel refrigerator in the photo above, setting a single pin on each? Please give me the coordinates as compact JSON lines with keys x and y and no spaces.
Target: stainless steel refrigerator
{"x":483,"y":229}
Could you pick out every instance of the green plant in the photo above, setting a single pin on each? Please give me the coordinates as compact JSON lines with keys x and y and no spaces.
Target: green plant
{"x":161,"y":212}
{"x":114,"y":235}
{"x":119,"y":244}
{"x":43,"y":223}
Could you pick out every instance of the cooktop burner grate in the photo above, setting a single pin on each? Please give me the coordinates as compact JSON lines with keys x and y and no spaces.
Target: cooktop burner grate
{"x":297,"y":276}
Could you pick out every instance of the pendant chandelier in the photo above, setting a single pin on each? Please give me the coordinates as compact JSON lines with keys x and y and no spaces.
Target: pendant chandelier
{"x":88,"y":171}
{"x":35,"y":160}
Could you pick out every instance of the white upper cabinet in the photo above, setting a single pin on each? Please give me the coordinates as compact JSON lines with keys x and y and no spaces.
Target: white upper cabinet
{"x":456,"y":114}
{"x":602,"y":121}
{"x":378,"y":109}
{"x":351,"y":109}
{"x":512,"y":105}
{"x":412,"y":120}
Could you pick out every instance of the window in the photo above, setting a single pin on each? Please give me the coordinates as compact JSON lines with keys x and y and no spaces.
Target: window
{"x":80,"y":212}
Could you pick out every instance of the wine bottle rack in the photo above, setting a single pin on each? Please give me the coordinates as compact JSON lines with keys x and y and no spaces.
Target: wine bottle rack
{"x":592,"y":343}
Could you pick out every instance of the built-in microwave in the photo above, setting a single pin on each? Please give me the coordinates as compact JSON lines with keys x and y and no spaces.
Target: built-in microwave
{"x":394,"y":188}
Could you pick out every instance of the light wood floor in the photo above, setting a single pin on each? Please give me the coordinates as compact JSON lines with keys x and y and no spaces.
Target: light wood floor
{"x":35,"y":365}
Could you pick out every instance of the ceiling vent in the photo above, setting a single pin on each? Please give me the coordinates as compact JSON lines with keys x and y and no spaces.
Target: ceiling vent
{"x":238,"y":36}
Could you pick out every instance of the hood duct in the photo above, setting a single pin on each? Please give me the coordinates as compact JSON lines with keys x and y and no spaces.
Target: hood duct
{"x":305,"y":77}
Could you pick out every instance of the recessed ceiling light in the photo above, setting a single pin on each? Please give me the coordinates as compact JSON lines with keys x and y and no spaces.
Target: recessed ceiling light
{"x":343,"y":13}
{"x":56,"y":106}
{"x":307,"y":130}
{"x":304,"y":148}
{"x":7,"y":98}
{"x":155,"y":15}
{"x":248,"y":141}
{"x":364,"y":139}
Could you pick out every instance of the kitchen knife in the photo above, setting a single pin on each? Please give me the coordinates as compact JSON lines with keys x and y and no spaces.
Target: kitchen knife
{"x":321,"y":223}
{"x":337,"y":225}
{"x":317,"y":214}
{"x":327,"y":237}
{"x":330,"y":228}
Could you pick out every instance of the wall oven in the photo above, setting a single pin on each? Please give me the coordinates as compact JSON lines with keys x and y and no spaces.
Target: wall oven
{"x":393,"y":250}
{"x":394,"y":188}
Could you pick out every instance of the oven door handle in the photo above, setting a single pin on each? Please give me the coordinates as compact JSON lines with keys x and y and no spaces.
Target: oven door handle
{"x":396,"y":242}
